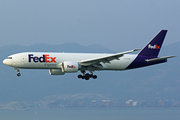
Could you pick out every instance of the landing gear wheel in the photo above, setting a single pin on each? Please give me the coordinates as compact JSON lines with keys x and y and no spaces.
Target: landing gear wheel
{"x":18,"y":74}
{"x":86,"y":77}
{"x":91,"y":75}
{"x":83,"y":77}
{"x":79,"y":76}
{"x":94,"y":76}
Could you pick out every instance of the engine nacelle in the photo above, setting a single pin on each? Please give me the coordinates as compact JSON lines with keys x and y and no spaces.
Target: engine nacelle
{"x":56,"y":72}
{"x":70,"y":67}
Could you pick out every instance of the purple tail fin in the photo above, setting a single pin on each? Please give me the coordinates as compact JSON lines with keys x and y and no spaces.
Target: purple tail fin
{"x":154,"y":46}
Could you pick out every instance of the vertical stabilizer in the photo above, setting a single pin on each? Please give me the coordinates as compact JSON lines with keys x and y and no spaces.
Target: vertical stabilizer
{"x":154,"y":46}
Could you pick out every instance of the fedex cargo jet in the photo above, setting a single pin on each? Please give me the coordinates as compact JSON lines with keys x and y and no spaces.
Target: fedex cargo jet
{"x":61,"y":63}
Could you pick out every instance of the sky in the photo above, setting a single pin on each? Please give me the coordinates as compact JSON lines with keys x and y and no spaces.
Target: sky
{"x":114,"y":24}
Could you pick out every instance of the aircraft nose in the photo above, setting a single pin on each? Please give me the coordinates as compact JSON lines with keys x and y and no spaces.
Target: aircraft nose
{"x":7,"y":62}
{"x":4,"y":61}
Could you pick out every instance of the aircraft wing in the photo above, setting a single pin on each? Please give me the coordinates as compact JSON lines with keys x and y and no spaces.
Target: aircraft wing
{"x":104,"y":59}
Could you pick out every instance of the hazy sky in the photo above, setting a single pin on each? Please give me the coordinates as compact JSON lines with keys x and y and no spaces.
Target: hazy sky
{"x":115,"y":24}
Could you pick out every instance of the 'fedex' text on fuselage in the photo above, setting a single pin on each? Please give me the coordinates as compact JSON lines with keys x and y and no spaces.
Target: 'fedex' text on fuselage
{"x":44,"y":58}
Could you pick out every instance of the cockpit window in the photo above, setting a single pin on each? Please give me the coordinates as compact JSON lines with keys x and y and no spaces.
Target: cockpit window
{"x":9,"y":57}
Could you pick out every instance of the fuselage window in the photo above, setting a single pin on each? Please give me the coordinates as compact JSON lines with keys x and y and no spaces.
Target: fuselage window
{"x":9,"y":57}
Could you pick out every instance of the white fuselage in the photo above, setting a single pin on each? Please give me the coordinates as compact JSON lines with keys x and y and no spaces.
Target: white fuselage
{"x":47,"y":60}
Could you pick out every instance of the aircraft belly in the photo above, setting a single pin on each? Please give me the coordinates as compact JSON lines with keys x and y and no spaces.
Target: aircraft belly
{"x":40,"y":66}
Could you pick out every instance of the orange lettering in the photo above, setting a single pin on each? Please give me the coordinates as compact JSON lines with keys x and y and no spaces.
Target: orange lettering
{"x":46,"y":58}
{"x":53,"y":59}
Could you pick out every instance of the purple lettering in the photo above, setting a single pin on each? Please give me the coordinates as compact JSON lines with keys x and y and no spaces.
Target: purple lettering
{"x":30,"y":57}
{"x":35,"y":59}
{"x":44,"y":58}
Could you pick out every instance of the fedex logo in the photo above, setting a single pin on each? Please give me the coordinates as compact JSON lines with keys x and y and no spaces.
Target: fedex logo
{"x":44,"y":58}
{"x":153,"y":47}
{"x":72,"y":66}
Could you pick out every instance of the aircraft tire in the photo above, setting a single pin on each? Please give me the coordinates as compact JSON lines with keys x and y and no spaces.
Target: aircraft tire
{"x":87,"y":77}
{"x":79,"y":76}
{"x":83,"y":77}
{"x":94,"y":76}
{"x":91,"y":76}
{"x":18,"y":74}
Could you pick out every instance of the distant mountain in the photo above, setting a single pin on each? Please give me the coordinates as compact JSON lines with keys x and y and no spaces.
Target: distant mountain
{"x":66,"y":47}
{"x":155,"y":82}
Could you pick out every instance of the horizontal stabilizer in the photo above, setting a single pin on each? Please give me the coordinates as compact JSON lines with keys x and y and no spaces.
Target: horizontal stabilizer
{"x":157,"y":59}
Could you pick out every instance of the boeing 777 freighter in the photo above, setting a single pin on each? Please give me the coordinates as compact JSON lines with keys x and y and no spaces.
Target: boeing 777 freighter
{"x":61,"y":63}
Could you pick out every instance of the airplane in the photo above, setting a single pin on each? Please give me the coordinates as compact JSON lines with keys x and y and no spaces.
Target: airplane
{"x":61,"y":63}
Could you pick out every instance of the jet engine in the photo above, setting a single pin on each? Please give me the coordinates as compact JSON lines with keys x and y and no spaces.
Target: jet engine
{"x":70,"y":67}
{"x":56,"y":72}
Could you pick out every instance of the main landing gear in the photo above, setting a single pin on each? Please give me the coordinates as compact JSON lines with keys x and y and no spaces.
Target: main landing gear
{"x":87,"y":76}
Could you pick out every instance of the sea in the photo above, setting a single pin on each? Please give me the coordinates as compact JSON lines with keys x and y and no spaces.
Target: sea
{"x":94,"y":114}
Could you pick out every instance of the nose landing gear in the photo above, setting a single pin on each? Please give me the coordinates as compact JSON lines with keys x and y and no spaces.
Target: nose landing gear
{"x":18,"y":73}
